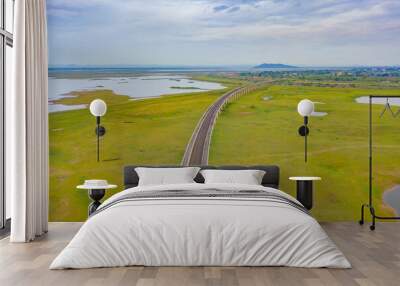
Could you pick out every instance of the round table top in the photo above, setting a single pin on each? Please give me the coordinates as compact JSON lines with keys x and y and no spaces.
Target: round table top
{"x":305,"y":178}
{"x":105,"y":187}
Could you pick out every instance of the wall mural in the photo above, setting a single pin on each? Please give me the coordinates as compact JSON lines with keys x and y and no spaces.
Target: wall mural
{"x":171,"y":71}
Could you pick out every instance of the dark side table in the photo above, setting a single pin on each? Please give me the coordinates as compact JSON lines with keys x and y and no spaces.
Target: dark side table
{"x":304,"y":191}
{"x":96,"y":193}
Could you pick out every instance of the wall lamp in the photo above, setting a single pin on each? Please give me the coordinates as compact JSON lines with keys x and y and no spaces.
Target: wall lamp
{"x":305,"y":108}
{"x":98,"y":108}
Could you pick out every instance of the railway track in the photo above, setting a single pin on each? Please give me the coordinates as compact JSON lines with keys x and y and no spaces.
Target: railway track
{"x":199,"y":144}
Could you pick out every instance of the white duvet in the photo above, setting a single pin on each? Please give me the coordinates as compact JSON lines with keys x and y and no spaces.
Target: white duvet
{"x":200,"y":231}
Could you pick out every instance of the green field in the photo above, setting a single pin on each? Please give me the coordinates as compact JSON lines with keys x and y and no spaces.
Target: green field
{"x":253,"y":130}
{"x":259,"y":128}
{"x":151,"y":131}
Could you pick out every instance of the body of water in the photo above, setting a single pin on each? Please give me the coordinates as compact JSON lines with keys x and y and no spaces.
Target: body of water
{"x":392,"y":198}
{"x":365,"y":100}
{"x":134,"y":86}
{"x":319,"y":114}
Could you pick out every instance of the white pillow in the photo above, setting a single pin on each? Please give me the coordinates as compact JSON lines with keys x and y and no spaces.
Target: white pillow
{"x":248,"y":177}
{"x":166,"y":176}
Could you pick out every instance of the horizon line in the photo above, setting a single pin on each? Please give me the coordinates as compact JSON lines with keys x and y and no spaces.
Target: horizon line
{"x":208,"y":66}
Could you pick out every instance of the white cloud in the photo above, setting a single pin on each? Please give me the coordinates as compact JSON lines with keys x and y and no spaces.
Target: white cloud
{"x":237,"y":26}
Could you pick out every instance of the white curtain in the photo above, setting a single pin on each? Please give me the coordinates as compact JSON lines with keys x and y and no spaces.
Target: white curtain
{"x":27,"y":123}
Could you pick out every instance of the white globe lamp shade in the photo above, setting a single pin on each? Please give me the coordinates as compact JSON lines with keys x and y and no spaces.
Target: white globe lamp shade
{"x":305,"y":107}
{"x":98,"y":107}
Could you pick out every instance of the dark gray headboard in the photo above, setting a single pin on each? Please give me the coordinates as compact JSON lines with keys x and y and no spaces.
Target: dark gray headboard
{"x":271,"y":177}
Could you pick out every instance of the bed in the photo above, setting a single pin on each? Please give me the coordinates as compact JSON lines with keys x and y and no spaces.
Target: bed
{"x":201,"y":224}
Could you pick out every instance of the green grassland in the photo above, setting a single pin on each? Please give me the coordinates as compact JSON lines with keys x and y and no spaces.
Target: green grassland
{"x":150,"y":131}
{"x":250,"y":130}
{"x":228,"y":81}
{"x":253,"y":130}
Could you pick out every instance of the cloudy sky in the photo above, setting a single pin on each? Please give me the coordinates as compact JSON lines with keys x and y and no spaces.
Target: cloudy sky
{"x":227,"y":32}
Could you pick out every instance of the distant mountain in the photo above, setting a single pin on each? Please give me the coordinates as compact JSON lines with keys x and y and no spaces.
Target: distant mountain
{"x":274,"y":66}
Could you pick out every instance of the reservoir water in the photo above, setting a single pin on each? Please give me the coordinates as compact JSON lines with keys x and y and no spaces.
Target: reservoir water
{"x":365,"y":100}
{"x":392,"y":198}
{"x":136,"y":87}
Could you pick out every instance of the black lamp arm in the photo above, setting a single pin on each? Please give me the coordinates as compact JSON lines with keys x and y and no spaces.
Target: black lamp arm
{"x":305,"y":138}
